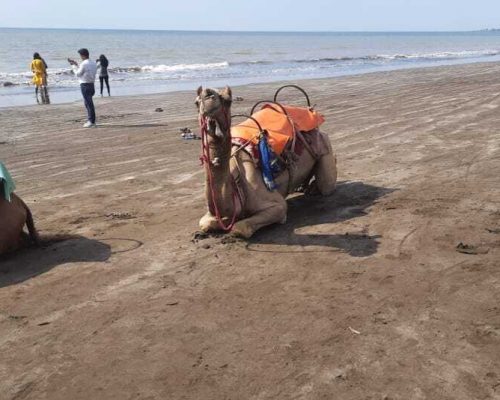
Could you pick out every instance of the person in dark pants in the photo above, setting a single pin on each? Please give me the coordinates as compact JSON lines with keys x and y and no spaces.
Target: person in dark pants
{"x":88,"y":92}
{"x":102,"y":64}
{"x":86,"y":72}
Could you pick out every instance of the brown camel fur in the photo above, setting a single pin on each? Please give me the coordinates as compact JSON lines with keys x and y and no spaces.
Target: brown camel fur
{"x":257,"y":207}
{"x":13,"y":216}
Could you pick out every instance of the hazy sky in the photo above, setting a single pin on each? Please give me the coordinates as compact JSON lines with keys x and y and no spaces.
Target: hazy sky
{"x":288,"y":15}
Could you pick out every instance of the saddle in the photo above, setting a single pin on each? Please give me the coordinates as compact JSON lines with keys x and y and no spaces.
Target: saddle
{"x":269,"y":135}
{"x":281,"y":122}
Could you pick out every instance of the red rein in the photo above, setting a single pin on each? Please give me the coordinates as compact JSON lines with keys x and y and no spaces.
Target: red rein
{"x":205,"y":160}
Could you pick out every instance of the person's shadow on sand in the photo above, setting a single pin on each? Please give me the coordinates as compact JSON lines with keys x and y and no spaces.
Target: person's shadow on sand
{"x":350,"y":200}
{"x":28,"y":263}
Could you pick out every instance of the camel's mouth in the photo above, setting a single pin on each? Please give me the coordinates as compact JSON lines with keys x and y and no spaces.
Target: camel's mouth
{"x":213,"y":108}
{"x":214,"y":128}
{"x":212,"y":125}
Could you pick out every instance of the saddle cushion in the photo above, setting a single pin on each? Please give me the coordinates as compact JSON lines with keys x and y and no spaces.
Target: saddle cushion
{"x":279,"y":126}
{"x":306,"y":119}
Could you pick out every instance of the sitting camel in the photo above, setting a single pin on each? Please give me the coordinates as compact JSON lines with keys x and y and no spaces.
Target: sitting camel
{"x":238,"y":199}
{"x":14,"y":214}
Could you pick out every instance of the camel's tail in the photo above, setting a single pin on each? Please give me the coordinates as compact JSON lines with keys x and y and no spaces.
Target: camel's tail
{"x":31,"y":225}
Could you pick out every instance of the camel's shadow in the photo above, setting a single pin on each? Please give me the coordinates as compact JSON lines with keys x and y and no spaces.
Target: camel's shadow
{"x":28,"y":263}
{"x":350,"y":200}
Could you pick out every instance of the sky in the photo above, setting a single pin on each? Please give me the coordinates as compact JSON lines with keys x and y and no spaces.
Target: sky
{"x":254,"y":15}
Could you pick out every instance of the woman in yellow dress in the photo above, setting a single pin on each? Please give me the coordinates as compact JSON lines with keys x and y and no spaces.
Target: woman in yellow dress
{"x":39,"y":69}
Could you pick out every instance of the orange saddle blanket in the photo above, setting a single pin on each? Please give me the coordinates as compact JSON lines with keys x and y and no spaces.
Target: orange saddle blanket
{"x":279,"y":126}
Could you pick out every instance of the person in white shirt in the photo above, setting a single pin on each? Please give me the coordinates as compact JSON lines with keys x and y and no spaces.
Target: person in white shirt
{"x":86,"y":72}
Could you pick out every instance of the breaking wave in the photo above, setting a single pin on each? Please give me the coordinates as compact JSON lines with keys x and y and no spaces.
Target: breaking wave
{"x":445,"y":55}
{"x":184,"y":67}
{"x":169,"y":68}
{"x":63,"y":77}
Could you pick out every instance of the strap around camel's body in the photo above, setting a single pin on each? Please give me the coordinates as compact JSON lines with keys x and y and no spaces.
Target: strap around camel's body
{"x":280,"y":127}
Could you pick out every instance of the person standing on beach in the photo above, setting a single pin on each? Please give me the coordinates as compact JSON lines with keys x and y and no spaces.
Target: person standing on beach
{"x":39,"y":69}
{"x":86,"y":72}
{"x":102,"y":64}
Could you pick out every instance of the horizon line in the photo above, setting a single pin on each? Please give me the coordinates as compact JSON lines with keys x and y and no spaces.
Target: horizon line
{"x":255,"y":31}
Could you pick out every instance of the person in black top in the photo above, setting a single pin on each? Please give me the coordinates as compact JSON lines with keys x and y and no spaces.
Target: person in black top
{"x":102,"y":64}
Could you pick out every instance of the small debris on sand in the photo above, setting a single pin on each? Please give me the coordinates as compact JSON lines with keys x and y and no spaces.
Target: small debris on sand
{"x":190,"y":136}
{"x":17,"y":317}
{"x":471,"y":249}
{"x":238,"y":98}
{"x":187,"y":134}
{"x":119,"y":215}
{"x":200,"y":236}
{"x":355,"y":331}
{"x":159,"y":109}
{"x":496,"y":231}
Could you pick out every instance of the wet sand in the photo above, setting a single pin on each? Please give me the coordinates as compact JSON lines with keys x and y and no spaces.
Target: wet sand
{"x":361,"y":295}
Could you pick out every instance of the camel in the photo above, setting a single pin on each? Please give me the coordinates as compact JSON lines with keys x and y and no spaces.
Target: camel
{"x":14,"y":214}
{"x":238,"y":200}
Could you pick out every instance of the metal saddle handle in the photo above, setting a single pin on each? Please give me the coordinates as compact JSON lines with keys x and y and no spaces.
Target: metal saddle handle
{"x":270,"y":102}
{"x":294,"y":87}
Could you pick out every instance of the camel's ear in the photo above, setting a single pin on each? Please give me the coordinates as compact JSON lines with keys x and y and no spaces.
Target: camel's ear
{"x":226,"y":94}
{"x":200,"y":89}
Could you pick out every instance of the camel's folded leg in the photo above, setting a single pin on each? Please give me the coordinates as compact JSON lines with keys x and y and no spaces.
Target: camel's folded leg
{"x":274,"y":213}
{"x":208,"y":223}
{"x":325,"y":172}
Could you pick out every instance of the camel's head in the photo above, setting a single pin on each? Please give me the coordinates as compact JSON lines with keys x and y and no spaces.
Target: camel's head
{"x":215,"y":106}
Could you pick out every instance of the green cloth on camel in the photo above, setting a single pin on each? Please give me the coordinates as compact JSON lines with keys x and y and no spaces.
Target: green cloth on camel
{"x":8,"y":185}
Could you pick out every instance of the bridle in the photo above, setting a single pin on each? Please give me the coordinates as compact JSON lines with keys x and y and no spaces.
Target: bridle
{"x":205,"y":161}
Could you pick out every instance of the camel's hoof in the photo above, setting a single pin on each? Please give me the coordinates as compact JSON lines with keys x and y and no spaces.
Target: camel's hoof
{"x":242,"y":230}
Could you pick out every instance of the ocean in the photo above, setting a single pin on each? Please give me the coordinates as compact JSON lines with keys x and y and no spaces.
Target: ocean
{"x":160,"y":61}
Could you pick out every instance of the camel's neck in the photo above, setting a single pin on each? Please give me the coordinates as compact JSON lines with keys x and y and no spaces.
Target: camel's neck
{"x":219,"y":185}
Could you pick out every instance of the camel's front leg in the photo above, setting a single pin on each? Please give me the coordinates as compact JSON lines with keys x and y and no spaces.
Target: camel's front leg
{"x":274,"y":213}
{"x":208,"y":223}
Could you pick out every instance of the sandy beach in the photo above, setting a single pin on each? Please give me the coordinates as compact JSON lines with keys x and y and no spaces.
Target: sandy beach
{"x":361,"y":295}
